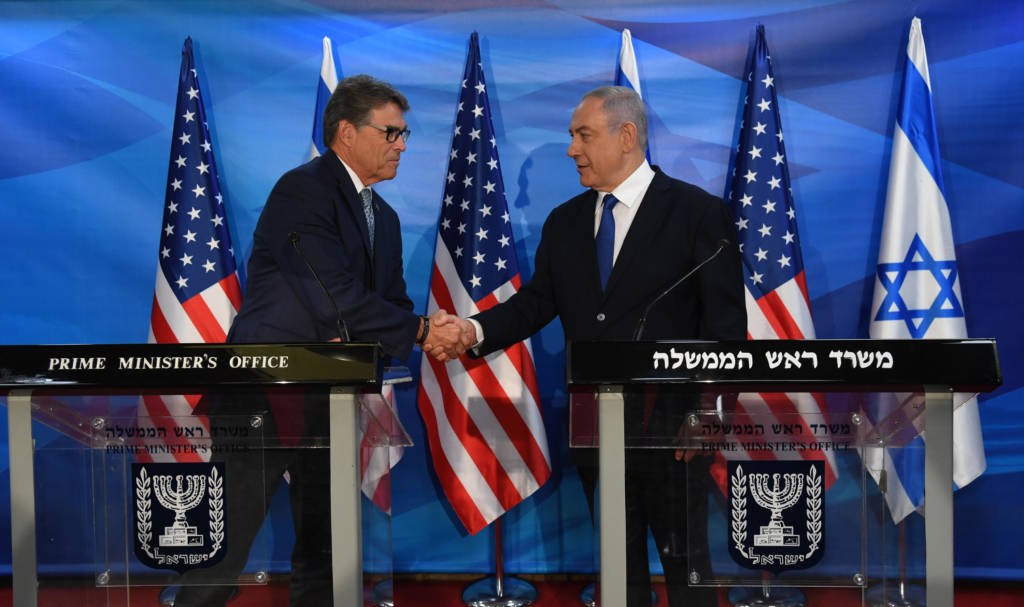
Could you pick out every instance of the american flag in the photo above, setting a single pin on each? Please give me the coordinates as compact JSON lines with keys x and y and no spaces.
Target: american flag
{"x":197,"y":289}
{"x":483,"y":417}
{"x":776,"y":288}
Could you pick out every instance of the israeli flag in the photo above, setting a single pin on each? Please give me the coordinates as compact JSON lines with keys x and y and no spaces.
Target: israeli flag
{"x":328,"y":80}
{"x":627,"y":74}
{"x":917,"y":286}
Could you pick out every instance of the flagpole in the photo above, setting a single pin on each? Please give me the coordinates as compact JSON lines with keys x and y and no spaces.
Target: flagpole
{"x":497,"y":590}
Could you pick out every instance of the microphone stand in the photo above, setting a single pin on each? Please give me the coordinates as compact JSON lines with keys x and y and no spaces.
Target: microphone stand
{"x":639,"y":331}
{"x":293,"y":237}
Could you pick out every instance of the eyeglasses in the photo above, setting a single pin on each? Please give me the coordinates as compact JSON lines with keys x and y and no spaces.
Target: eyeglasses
{"x":391,"y":133}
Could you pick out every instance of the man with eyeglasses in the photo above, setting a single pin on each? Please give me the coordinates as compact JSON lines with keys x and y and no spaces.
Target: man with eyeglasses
{"x":326,"y":266}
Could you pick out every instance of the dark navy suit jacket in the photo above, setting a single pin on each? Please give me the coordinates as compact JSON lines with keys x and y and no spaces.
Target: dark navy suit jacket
{"x":677,"y":226}
{"x":283,"y":302}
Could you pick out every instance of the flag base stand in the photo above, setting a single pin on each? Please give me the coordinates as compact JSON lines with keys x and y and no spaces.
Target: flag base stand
{"x":906,"y":595}
{"x":499,"y":592}
{"x":588,"y":598}
{"x":383,"y":593}
{"x":774,"y":596}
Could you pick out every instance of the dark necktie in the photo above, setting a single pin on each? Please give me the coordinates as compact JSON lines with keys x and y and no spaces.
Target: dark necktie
{"x":605,"y":240}
{"x":367,"y":197}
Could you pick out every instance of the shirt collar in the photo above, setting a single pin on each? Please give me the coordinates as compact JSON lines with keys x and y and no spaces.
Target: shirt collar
{"x":630,"y":191}
{"x":356,"y":181}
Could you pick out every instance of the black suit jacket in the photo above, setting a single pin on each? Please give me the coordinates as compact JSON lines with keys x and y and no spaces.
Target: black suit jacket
{"x":283,"y":302}
{"x":677,"y":226}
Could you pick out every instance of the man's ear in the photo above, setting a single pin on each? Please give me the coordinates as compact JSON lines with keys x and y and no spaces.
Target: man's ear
{"x":627,"y":137}
{"x":346,"y":133}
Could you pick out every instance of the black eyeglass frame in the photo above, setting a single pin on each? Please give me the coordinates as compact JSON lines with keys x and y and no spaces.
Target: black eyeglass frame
{"x":392,"y":133}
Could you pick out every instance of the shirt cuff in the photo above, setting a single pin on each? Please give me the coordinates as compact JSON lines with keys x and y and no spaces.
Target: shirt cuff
{"x":479,"y":333}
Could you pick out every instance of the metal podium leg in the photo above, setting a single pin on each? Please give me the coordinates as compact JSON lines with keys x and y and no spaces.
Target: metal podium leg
{"x":611,"y":484}
{"x":23,"y":497}
{"x":938,"y":489}
{"x":346,"y":506}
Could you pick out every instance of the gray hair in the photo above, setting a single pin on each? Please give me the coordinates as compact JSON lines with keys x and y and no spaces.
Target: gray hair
{"x":353,"y":100}
{"x":621,"y":105}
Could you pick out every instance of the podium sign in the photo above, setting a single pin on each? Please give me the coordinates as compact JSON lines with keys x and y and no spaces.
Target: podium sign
{"x":781,"y":443}
{"x":153,"y":493}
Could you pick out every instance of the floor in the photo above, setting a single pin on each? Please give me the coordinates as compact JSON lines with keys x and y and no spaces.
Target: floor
{"x":446,"y":592}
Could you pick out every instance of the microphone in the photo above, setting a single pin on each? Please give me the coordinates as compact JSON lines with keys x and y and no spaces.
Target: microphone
{"x":342,"y":327}
{"x":723,"y":243}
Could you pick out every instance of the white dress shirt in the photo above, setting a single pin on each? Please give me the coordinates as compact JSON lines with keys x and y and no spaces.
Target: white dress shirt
{"x":630,"y":193}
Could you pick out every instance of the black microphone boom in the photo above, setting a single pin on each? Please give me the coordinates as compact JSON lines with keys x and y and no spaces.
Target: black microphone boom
{"x":342,"y":327}
{"x":639,"y":331}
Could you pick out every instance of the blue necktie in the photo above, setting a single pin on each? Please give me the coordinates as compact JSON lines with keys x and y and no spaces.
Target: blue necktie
{"x":605,"y":240}
{"x":367,"y":197}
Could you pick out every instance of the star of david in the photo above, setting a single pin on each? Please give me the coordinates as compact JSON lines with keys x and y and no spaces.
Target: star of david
{"x":894,"y":307}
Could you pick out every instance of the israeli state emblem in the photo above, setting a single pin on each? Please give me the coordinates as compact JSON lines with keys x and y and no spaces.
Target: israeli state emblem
{"x":776,"y":514}
{"x":179,"y":514}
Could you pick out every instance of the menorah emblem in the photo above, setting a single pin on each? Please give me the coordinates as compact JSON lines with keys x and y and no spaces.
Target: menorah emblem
{"x":185,"y":494}
{"x":776,"y":499}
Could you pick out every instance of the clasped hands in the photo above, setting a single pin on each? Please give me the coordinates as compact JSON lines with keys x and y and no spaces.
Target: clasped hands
{"x":449,"y":336}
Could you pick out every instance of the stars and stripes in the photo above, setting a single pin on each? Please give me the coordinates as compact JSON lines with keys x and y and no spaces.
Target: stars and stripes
{"x":483,"y":417}
{"x":776,"y":288}
{"x":325,"y":86}
{"x":917,"y":287}
{"x":197,"y":290}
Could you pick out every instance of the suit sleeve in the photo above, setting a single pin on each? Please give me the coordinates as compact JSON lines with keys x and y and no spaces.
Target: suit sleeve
{"x":332,"y":243}
{"x":526,"y":312}
{"x":723,"y":314}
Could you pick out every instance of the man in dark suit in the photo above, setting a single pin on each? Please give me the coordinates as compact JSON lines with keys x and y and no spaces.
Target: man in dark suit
{"x":603,"y":256}
{"x":321,"y":220}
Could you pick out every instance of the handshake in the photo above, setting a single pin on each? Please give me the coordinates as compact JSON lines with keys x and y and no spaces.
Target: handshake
{"x":449,"y":336}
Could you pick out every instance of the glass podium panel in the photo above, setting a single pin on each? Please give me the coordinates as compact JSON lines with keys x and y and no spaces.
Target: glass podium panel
{"x":775,"y":491}
{"x":130,"y":500}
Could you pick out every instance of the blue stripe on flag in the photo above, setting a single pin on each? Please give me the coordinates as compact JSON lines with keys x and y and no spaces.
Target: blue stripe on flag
{"x":916,"y":118}
{"x":908,"y":463}
{"x":323,"y":94}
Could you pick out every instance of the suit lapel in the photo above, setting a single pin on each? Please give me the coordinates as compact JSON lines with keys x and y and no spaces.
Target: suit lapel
{"x":646,"y":223}
{"x":583,"y":237}
{"x":349,"y":197}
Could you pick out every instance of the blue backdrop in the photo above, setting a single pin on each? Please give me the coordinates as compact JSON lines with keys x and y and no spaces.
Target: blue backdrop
{"x":87,"y":92}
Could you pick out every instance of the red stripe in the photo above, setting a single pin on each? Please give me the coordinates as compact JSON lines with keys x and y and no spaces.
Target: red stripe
{"x":382,"y":495}
{"x":204,"y":320}
{"x":232,"y":289}
{"x":778,"y":316}
{"x":473,"y":440}
{"x":801,"y":282}
{"x":463,"y":505}
{"x":162,"y":332}
{"x":487,"y":302}
{"x":779,"y":402}
{"x":160,"y":417}
{"x":520,"y":357}
{"x":493,"y":391}
{"x":784,"y":409}
{"x":504,"y":411}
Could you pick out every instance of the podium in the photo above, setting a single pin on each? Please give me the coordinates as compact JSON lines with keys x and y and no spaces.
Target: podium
{"x":834,"y":409}
{"x":147,"y":488}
